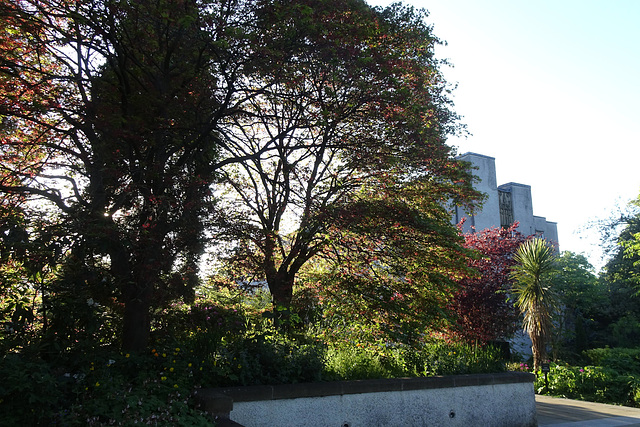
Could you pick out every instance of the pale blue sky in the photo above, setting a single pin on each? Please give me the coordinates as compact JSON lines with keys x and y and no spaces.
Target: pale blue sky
{"x":551,"y":89}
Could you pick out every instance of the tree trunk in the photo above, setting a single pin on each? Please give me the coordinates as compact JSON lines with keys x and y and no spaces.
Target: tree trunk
{"x":281,"y":288}
{"x":136,"y":322}
{"x":538,"y":349}
{"x":136,"y":293}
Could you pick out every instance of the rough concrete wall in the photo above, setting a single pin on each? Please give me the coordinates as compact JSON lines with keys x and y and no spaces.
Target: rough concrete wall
{"x":509,"y":405}
{"x":522,"y":206}
{"x":550,"y":229}
{"x":505,"y":399}
{"x":521,"y":200}
{"x":486,"y":171}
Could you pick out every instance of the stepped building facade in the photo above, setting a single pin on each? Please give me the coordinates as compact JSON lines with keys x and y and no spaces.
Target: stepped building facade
{"x":504,"y":205}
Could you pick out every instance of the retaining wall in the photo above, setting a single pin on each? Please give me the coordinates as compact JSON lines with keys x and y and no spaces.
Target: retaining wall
{"x":503,"y":399}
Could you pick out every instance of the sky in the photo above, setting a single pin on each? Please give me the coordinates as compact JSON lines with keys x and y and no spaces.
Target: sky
{"x":551,"y":89}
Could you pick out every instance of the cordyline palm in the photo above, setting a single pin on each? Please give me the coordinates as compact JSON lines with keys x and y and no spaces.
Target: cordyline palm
{"x":535,"y":263}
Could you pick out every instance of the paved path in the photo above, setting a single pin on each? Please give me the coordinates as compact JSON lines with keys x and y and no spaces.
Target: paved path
{"x":558,"y":412}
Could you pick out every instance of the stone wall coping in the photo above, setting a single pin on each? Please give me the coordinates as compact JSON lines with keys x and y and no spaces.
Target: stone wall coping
{"x":332,"y":388}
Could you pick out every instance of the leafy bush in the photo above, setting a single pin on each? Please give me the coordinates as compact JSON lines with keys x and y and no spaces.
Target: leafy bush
{"x":623,"y":360}
{"x":266,"y":359}
{"x":220,"y":340}
{"x":29,"y":390}
{"x":360,"y":362}
{"x":155,"y":388}
{"x":110,"y":389}
{"x":612,"y":375}
{"x":352,"y":363}
{"x":591,"y":383}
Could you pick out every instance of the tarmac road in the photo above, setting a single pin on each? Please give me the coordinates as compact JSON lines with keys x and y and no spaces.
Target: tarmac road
{"x":559,"y":412}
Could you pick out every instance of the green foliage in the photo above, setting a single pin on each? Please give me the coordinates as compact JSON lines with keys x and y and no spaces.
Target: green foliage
{"x":623,"y":360}
{"x":17,"y":306}
{"x":363,"y":180}
{"x":629,"y":241}
{"x":222,"y":339}
{"x":100,"y":389}
{"x":591,"y":383}
{"x":268,"y":358}
{"x":357,"y":361}
{"x":455,"y":359}
{"x":609,"y":375}
{"x":580,"y":296}
{"x":126,"y":389}
{"x":30,"y":390}
{"x":616,"y":318}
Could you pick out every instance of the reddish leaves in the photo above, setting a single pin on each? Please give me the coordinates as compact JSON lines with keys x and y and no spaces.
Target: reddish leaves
{"x":482,"y":305}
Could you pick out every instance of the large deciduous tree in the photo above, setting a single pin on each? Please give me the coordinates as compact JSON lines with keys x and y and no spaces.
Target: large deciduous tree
{"x":363,"y":178}
{"x":618,"y":317}
{"x":118,"y":114}
{"x":624,"y":264}
{"x":580,"y":297}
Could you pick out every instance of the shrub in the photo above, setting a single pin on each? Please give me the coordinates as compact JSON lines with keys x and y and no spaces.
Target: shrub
{"x":360,"y":362}
{"x":266,"y":358}
{"x":623,"y":360}
{"x":103,"y":389}
{"x":351,"y":363}
{"x":591,"y":383}
{"x":29,"y":390}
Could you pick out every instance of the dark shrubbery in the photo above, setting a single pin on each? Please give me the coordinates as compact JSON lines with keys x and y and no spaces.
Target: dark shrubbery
{"x":213,"y":342}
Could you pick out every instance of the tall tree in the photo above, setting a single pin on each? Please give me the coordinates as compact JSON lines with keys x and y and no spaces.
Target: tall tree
{"x":579,"y":297}
{"x":625,"y":261}
{"x":620,"y":278}
{"x":371,"y":112}
{"x":535,"y":264}
{"x":126,"y":122}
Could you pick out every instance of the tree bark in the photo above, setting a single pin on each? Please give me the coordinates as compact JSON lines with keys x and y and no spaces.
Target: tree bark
{"x":136,"y":296}
{"x":281,"y":288}
{"x":136,"y":321}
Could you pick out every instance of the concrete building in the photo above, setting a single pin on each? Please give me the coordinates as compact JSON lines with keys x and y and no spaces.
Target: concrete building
{"x":504,"y":204}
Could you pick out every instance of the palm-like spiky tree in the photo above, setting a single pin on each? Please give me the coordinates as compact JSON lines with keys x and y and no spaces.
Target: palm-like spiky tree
{"x":535,"y":263}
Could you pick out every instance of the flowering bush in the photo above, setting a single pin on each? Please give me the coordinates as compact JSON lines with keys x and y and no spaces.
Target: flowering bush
{"x":520,"y":367}
{"x":111,"y":389}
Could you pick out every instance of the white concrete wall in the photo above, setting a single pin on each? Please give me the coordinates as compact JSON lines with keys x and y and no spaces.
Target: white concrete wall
{"x":489,"y":216}
{"x":522,"y":206}
{"x":549,"y":229}
{"x":509,"y":405}
{"x":521,"y":201}
{"x":503,"y":399}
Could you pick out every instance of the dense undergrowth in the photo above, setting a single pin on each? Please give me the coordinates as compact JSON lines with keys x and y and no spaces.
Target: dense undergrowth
{"x":607,"y":375}
{"x":209,"y":343}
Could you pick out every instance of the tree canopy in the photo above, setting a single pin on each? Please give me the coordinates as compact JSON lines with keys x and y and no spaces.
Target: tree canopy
{"x":367,"y":158}
{"x":122,"y":119}
{"x":126,"y":125}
